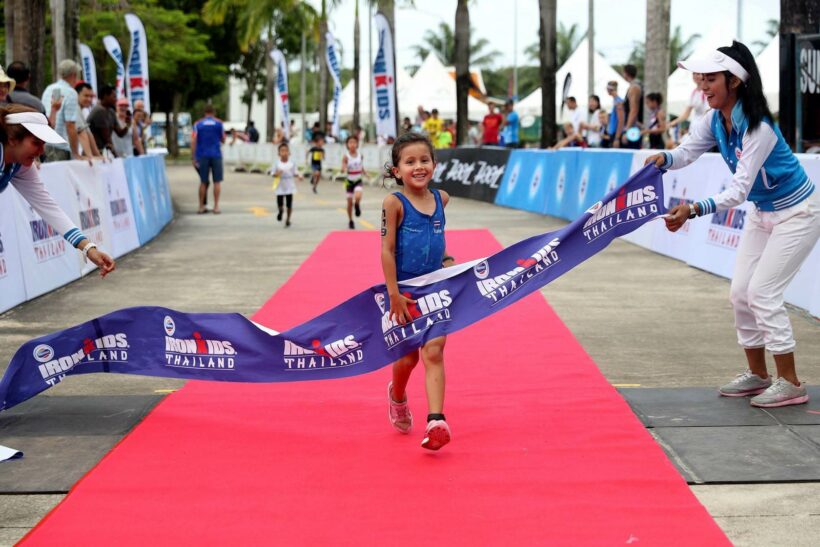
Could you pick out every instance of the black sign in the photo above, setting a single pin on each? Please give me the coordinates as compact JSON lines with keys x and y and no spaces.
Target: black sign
{"x":472,"y":173}
{"x":808,"y":92}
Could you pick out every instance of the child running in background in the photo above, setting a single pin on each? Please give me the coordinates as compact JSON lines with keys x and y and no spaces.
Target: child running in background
{"x":353,"y":165}
{"x":285,"y":170}
{"x":315,"y":155}
{"x":413,"y":245}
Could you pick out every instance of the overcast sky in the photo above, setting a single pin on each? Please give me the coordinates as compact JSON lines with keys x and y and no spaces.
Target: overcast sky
{"x":617,"y":23}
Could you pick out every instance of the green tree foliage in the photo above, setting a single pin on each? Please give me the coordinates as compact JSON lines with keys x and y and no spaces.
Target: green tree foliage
{"x":442,"y":43}
{"x":678,"y":49}
{"x":567,"y":40}
{"x":180,"y":60}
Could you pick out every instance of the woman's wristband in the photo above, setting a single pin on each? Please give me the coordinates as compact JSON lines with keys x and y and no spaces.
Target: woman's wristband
{"x":446,"y":258}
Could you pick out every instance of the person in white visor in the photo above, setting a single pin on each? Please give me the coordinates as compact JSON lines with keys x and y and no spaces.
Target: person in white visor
{"x":24,"y":133}
{"x":779,"y":231}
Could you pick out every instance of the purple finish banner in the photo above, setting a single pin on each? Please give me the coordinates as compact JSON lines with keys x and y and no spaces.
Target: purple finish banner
{"x":353,"y":338}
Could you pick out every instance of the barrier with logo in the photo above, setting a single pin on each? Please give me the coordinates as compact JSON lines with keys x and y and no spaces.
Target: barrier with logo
{"x":35,"y":259}
{"x":471,"y":172}
{"x":353,"y":338}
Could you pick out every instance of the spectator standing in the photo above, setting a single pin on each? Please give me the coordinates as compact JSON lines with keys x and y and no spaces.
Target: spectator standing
{"x":633,"y":105}
{"x":252,"y":132}
{"x":65,"y":121}
{"x":446,"y":137}
{"x":125,"y":144}
{"x":617,"y":118}
{"x":474,"y":134}
{"x":103,"y":120}
{"x":592,"y":127}
{"x":433,"y":126}
{"x":329,"y":136}
{"x":490,"y":126}
{"x":697,"y":107}
{"x":206,"y":153}
{"x":6,"y":85}
{"x":406,"y":126}
{"x":510,"y":125}
{"x":85,"y":96}
{"x":656,"y":123}
{"x":19,"y":94}
{"x":572,"y":125}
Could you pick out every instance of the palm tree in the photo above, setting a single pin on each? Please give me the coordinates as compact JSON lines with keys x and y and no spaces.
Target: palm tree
{"x":356,"y":54}
{"x":461,"y":60}
{"x":23,"y":44}
{"x":567,"y":41}
{"x":547,"y":61}
{"x":678,"y":49}
{"x":442,"y":43}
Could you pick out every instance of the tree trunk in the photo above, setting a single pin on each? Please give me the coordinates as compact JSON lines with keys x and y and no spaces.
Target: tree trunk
{"x":65,"y":26}
{"x":173,"y":143}
{"x":656,"y":65}
{"x":28,"y":44}
{"x":270,"y":82}
{"x":250,"y":109}
{"x":387,"y":7}
{"x":796,"y":17}
{"x":591,"y":49}
{"x":547,"y":61}
{"x":356,"y":64}
{"x":8,"y":15}
{"x":303,"y":83}
{"x":462,"y":62}
{"x":323,"y":68}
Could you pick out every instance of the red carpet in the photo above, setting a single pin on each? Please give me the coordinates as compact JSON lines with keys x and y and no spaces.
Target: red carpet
{"x":544,"y":450}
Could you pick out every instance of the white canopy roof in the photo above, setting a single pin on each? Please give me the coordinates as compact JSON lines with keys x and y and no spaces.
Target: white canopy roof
{"x":679,"y":86}
{"x":434,"y":87}
{"x":346,"y":98}
{"x":577,"y":66}
{"x":768,"y":62}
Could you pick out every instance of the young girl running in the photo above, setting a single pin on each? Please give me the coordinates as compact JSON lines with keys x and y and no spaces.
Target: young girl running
{"x":413,"y":245}
{"x":285,"y":169}
{"x":353,"y":165}
{"x":780,"y":229}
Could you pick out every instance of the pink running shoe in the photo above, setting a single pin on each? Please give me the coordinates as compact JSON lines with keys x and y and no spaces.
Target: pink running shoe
{"x":437,"y":435}
{"x":399,"y":413}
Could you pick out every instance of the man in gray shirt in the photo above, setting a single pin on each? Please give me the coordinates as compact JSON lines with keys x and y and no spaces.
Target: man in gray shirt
{"x":20,"y":94}
{"x":66,"y":122}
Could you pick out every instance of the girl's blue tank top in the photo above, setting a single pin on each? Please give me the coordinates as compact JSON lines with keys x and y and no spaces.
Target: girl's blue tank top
{"x":419,"y":239}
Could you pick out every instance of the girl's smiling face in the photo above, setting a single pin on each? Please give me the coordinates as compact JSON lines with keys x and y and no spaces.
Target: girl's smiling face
{"x":717,"y":89}
{"x":416,"y":165}
{"x":27,"y":150}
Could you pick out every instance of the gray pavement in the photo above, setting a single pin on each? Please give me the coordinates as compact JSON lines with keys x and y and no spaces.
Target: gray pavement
{"x":646,"y":320}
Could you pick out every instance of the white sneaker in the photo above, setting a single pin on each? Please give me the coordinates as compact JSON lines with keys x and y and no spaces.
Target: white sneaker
{"x":399,"y":413}
{"x":745,"y":384}
{"x":437,"y":435}
{"x":782,"y":393}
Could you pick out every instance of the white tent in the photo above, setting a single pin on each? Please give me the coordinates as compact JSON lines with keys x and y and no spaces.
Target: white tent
{"x":577,"y":66}
{"x":768,"y":62}
{"x":434,"y":87}
{"x":346,"y":99}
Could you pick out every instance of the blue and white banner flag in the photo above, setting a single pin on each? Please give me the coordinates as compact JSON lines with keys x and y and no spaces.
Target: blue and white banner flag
{"x":282,"y":88}
{"x":89,"y":67}
{"x":138,"y":63}
{"x":355,"y":337}
{"x":384,"y":81}
{"x":336,"y":73}
{"x":112,"y":46}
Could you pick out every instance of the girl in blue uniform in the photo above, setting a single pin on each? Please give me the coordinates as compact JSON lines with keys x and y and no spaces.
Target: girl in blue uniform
{"x":780,"y":230}
{"x":413,"y":245}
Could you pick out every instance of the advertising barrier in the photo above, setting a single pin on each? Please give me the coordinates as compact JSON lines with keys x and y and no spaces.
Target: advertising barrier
{"x":35,"y":259}
{"x":471,"y":172}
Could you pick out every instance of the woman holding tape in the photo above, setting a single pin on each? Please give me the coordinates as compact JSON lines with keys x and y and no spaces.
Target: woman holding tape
{"x":780,"y":230}
{"x":23,"y":135}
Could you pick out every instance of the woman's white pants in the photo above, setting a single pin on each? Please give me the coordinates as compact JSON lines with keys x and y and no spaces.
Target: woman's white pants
{"x":773,"y":246}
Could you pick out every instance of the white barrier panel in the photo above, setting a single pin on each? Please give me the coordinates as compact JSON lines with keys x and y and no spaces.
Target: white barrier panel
{"x":710,"y":243}
{"x":12,"y":288}
{"x":48,"y":260}
{"x":124,"y":238}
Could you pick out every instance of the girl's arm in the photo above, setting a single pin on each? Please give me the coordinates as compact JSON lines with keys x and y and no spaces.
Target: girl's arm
{"x":391,"y":212}
{"x":344,"y":163}
{"x":446,"y":260}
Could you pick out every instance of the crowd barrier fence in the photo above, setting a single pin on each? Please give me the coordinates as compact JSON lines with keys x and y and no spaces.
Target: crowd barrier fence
{"x":120,"y":205}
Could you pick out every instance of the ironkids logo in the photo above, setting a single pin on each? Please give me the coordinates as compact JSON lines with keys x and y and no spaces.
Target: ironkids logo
{"x":197,"y":352}
{"x":726,"y":227}
{"x":428,"y":310}
{"x":625,"y":208}
{"x":337,"y":354}
{"x":111,"y":348}
{"x":501,"y":286}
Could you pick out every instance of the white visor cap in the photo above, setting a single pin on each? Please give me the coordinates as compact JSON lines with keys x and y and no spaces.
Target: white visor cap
{"x":37,"y":124}
{"x":716,"y":62}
